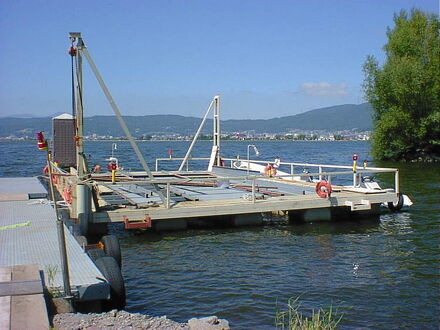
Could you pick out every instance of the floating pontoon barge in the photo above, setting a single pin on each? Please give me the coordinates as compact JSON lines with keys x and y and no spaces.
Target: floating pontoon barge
{"x":223,"y":193}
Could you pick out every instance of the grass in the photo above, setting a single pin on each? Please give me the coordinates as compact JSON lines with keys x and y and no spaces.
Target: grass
{"x":292,"y":318}
{"x":51,"y":272}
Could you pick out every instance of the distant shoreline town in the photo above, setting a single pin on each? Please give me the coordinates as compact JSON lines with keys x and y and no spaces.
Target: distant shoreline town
{"x":347,"y":135}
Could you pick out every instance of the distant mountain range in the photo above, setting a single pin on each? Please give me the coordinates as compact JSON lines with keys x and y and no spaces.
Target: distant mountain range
{"x":335,"y":118}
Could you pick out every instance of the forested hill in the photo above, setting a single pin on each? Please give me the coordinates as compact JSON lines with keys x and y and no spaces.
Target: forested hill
{"x":335,"y":118}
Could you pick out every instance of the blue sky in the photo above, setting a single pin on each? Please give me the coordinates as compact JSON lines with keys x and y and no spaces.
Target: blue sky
{"x":266,"y":59}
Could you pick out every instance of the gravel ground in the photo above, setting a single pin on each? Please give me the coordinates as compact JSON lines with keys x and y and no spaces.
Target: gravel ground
{"x":124,"y":320}
{"x":114,"y":320}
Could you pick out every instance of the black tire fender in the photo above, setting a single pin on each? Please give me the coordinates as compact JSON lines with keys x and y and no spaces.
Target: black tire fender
{"x":112,"y":273}
{"x":95,"y":254}
{"x":396,"y":207}
{"x":112,"y":247}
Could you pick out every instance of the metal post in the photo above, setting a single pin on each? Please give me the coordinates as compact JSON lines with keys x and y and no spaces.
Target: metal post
{"x":292,"y":169}
{"x":157,"y":164}
{"x":320,"y":171}
{"x":61,"y":237}
{"x":248,"y":158}
{"x":396,"y":181}
{"x":248,"y":152}
{"x":80,"y":164}
{"x":216,"y":137}
{"x":355,"y":158}
{"x":168,"y":195}
{"x":188,"y":153}
{"x":121,"y":121}
{"x":253,"y":190}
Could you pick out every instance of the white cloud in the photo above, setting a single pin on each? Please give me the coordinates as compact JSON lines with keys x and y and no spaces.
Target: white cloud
{"x":324,"y":88}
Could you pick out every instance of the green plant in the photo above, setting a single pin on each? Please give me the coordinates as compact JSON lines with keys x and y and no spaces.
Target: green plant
{"x":51,"y":273}
{"x":292,"y":318}
{"x":405,"y":90}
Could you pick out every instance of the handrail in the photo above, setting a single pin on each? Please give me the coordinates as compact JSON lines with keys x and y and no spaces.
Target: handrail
{"x":176,"y":159}
{"x":321,"y":171}
{"x":378,"y":169}
{"x":244,"y":177}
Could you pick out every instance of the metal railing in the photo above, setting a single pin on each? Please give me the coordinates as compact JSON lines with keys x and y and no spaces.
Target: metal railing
{"x":165,"y":183}
{"x":321,"y":173}
{"x":178,"y":159}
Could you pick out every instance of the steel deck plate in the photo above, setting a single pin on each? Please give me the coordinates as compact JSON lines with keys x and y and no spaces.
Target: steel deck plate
{"x":21,"y":186}
{"x":28,"y":235}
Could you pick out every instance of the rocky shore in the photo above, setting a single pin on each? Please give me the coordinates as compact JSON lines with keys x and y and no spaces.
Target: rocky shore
{"x":124,"y":320}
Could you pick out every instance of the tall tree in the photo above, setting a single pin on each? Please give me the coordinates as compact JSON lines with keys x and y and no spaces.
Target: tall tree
{"x":405,"y":91}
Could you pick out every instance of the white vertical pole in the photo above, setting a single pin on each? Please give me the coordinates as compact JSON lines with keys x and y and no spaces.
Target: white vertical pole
{"x":253,"y":190}
{"x":168,"y":195}
{"x":188,"y":153}
{"x":216,"y":137}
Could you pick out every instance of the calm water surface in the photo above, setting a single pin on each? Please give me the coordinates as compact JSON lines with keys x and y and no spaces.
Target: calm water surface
{"x":382,"y":272}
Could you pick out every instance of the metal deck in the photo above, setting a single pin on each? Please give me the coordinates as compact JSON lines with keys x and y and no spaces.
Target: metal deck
{"x":223,"y":194}
{"x":21,"y":189}
{"x":28,"y":235}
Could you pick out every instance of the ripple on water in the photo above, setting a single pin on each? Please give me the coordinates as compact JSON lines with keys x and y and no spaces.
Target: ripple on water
{"x":382,"y":273}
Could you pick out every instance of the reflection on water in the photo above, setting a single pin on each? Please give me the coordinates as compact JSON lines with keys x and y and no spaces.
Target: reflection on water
{"x":252,"y":268}
{"x":396,"y":223}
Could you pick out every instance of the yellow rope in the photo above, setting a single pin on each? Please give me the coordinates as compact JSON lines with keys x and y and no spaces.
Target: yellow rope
{"x":16,"y":225}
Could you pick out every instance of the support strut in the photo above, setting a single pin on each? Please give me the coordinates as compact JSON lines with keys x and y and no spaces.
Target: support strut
{"x":83,"y":50}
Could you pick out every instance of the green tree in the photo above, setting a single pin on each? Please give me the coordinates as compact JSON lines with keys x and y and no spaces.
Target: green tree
{"x":405,"y":91}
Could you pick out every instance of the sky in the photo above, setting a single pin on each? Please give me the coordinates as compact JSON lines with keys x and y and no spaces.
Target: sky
{"x":266,"y":58}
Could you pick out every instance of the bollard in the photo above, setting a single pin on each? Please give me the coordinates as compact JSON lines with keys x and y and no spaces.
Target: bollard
{"x":113,"y":176}
{"x":83,"y":207}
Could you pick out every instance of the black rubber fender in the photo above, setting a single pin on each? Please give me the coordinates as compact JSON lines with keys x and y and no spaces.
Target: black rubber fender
{"x":95,"y":254}
{"x":112,"y":273}
{"x":396,"y":207}
{"x":112,"y":247}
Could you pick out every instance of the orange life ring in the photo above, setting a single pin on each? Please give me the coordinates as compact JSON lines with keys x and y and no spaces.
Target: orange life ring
{"x":270,"y":170}
{"x":67,"y":194}
{"x":323,"y":189}
{"x":46,"y":170}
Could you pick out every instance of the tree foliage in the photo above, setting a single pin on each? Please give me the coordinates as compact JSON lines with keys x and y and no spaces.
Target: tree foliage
{"x":405,"y":91}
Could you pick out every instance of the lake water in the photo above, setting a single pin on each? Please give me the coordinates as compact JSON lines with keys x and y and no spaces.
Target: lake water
{"x":381,"y":272}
